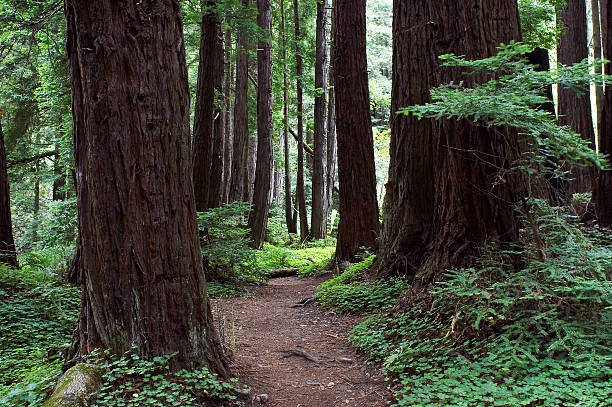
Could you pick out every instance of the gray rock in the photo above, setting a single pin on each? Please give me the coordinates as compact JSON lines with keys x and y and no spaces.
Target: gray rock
{"x":76,"y":387}
{"x":263,"y":398}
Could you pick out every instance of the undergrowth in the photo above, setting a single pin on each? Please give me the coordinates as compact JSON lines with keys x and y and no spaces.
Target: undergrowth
{"x":132,"y":382}
{"x":492,"y":335}
{"x":37,"y":317}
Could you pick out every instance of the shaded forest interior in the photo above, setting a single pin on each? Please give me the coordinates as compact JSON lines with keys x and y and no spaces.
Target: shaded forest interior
{"x":429,"y":183}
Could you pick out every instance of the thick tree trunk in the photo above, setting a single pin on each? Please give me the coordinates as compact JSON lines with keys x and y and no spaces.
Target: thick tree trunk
{"x":319,"y":176}
{"x":203,"y":126}
{"x":359,"y":225}
{"x":602,"y":191}
{"x":475,"y":189}
{"x":258,"y":218}
{"x":229,"y":131}
{"x":8,"y":253}
{"x":408,"y":210}
{"x":241,"y":117}
{"x":300,"y":190}
{"x":290,"y":211}
{"x":575,"y":110}
{"x":143,"y":279}
{"x":216,"y":165}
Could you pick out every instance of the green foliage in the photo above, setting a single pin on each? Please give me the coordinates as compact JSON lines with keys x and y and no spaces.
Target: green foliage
{"x":309,"y":256}
{"x":494,"y":335}
{"x":347,"y":293}
{"x":132,"y":381}
{"x":37,"y":317}
{"x":513,"y":99}
{"x":538,"y":25}
{"x":226,"y":243}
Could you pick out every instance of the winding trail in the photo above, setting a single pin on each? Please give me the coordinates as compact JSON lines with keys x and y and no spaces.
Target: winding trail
{"x":277,"y":348}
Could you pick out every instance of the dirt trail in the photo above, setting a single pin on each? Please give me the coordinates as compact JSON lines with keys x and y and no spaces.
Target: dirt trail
{"x":266,"y":329}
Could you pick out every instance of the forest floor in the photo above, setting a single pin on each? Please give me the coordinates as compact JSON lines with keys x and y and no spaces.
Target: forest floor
{"x":296,"y":356}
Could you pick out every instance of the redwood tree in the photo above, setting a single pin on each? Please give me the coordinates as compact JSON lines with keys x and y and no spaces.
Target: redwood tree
{"x":359,"y":225}
{"x":602,"y":191}
{"x":258,"y":218}
{"x":575,"y":110}
{"x":203,"y":127}
{"x":450,"y":187}
{"x":140,"y":258}
{"x":318,"y":223}
{"x":8,"y":254}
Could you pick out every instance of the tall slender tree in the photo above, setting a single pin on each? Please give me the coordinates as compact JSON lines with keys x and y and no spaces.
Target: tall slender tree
{"x":359,"y":225}
{"x":140,"y":258}
{"x":319,"y":177}
{"x":229,"y":131}
{"x":241,"y":114}
{"x":8,"y":254}
{"x":575,"y":110}
{"x":331,"y":129}
{"x":203,"y":126}
{"x":290,"y":211}
{"x":602,"y":191}
{"x":300,"y":189}
{"x":258,"y":218}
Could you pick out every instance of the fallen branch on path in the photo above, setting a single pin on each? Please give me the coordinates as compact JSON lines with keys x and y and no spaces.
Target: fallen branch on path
{"x":301,"y":353}
{"x":303,"y":303}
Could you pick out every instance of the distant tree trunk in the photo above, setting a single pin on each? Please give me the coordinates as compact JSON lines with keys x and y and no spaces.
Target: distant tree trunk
{"x":602,"y":192}
{"x":203,"y":126}
{"x":143,"y":279}
{"x":229,"y":131}
{"x":216,"y":165}
{"x":300,"y":190}
{"x":574,"y":110}
{"x":278,"y":170}
{"x":359,"y":225}
{"x":408,"y":211}
{"x":290,"y":211}
{"x":331,"y":131}
{"x":476,"y":189}
{"x":319,"y":176}
{"x":241,"y":117}
{"x":251,"y":163}
{"x":597,"y":53}
{"x":258,"y":218}
{"x":8,"y":253}
{"x":59,"y":183}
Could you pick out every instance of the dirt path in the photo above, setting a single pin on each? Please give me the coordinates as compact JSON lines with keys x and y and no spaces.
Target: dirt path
{"x":265,"y":330}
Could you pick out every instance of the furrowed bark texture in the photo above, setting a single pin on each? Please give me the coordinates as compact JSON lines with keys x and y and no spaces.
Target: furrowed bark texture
{"x":359,"y":225}
{"x":8,"y":253}
{"x":300,"y":190}
{"x":216,"y":164}
{"x":241,"y":117}
{"x":475,"y":191}
{"x":203,"y":126}
{"x":258,"y":218}
{"x":602,"y":192}
{"x":143,"y":281}
{"x":228,"y":143}
{"x":331,"y":129}
{"x":575,"y":110}
{"x":318,"y":224}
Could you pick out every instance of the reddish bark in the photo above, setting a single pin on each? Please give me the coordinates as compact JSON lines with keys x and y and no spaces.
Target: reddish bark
{"x":8,"y":253}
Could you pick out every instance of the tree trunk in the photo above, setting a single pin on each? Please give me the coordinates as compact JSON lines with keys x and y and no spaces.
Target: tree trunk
{"x":278,"y":170}
{"x":575,"y":110}
{"x":143,"y":279}
{"x":290,"y":211}
{"x":59,"y":183}
{"x":8,"y":253}
{"x":475,"y":189}
{"x":300,"y":190}
{"x":602,"y":193}
{"x":331,"y":131}
{"x":251,"y":163}
{"x":203,"y":126}
{"x":241,"y":116}
{"x":408,"y":210}
{"x":319,"y":176}
{"x":216,"y":165}
{"x":258,"y":218}
{"x":359,"y":225}
{"x":597,"y":53}
{"x":229,"y":131}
